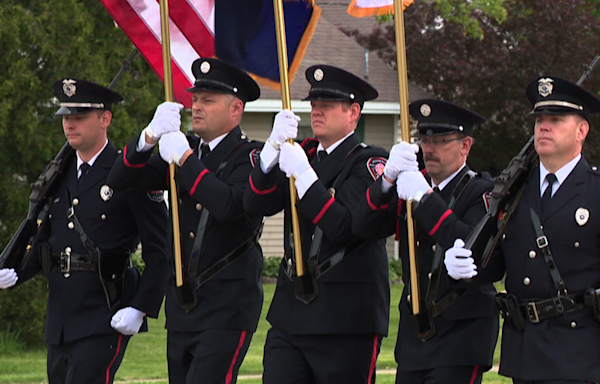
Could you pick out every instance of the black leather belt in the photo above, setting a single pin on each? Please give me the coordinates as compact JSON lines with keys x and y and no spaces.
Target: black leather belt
{"x":68,"y":262}
{"x":537,"y":310}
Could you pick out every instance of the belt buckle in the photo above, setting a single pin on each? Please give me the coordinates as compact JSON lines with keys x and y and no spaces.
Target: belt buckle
{"x":532,"y":313}
{"x":542,"y":242}
{"x":65,"y":263}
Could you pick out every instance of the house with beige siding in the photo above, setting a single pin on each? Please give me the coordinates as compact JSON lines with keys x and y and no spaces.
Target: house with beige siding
{"x":329,"y":45}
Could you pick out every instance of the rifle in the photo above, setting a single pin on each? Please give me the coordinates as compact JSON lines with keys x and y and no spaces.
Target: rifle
{"x":18,"y":250}
{"x":506,"y":193}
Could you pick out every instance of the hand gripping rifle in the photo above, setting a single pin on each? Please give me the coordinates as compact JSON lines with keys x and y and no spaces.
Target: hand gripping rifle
{"x":17,"y":252}
{"x":507,"y":191}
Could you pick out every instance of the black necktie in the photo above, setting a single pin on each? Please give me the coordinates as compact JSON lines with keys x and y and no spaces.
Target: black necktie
{"x":204,"y":150}
{"x":551,"y":178}
{"x":84,"y":168}
{"x":436,"y":190}
{"x":321,"y":155}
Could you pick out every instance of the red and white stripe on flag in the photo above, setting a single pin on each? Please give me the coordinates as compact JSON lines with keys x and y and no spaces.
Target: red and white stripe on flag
{"x":192,"y":30}
{"x":364,"y":8}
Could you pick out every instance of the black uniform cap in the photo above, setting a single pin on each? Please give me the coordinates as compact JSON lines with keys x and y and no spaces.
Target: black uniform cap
{"x":217,"y":76}
{"x":77,"y":97}
{"x":555,"y":96}
{"x":331,"y":83}
{"x":437,"y":117}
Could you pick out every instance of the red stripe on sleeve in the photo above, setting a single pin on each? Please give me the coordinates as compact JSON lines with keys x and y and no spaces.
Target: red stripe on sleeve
{"x":258,"y":191}
{"x":440,"y":221}
{"x":373,"y":206}
{"x":325,"y":208}
{"x":200,"y":176}
{"x":127,"y":163}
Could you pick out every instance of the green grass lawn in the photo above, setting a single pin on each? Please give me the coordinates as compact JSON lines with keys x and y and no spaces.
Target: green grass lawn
{"x":145,"y":359}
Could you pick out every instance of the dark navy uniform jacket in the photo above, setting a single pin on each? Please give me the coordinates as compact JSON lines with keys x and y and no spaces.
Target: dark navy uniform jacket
{"x":565,"y":347}
{"x":77,"y":306}
{"x":354,"y":295}
{"x":465,"y":333}
{"x":233,"y":298}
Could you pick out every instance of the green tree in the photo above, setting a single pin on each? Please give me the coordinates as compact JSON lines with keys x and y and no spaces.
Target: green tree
{"x":489,"y":75}
{"x":42,"y":42}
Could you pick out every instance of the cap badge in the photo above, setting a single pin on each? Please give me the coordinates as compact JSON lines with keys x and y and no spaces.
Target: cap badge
{"x":545,"y":87}
{"x":106,"y":192}
{"x":205,"y":67}
{"x":69,"y":87}
{"x":318,"y":74}
{"x":425,"y":110}
{"x":582,"y":216}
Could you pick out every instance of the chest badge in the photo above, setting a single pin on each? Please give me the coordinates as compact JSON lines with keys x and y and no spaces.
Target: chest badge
{"x":106,"y":192}
{"x":582,"y":216}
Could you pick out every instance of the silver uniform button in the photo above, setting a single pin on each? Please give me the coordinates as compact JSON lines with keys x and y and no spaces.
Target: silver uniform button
{"x":192,"y":235}
{"x":576,"y":244}
{"x":71,"y":225}
{"x":417,"y":243}
{"x":433,"y":247}
{"x":504,"y":236}
{"x":594,"y":168}
{"x":68,"y":250}
{"x":532,"y":254}
{"x":429,"y":275}
{"x":573,"y":324}
{"x":114,"y":277}
{"x":103,"y":216}
{"x":527,"y":281}
{"x":198,"y":207}
{"x":75,"y":201}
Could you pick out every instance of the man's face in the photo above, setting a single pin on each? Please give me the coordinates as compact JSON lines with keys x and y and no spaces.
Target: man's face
{"x":213,"y":113}
{"x":559,"y":136}
{"x":332,"y":120}
{"x":87,"y":131}
{"x":444,"y":154}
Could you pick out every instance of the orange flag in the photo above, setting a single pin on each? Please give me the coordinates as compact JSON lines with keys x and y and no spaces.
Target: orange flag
{"x":364,"y":8}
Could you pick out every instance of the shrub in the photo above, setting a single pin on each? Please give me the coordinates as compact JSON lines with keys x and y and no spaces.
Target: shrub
{"x":271,"y":266}
{"x":23,"y":313}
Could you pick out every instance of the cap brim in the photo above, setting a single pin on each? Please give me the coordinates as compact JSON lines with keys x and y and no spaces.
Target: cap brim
{"x":74,"y":111}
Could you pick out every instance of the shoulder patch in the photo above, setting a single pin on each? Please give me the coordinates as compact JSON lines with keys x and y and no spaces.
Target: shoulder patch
{"x":255,"y":157}
{"x":156,"y":196}
{"x":487,"y":200}
{"x":375,"y":165}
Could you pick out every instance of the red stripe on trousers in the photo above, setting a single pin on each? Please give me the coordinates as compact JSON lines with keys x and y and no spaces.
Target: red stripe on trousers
{"x":373,"y":359}
{"x":474,"y":374}
{"x":113,"y":359}
{"x":229,"y":376}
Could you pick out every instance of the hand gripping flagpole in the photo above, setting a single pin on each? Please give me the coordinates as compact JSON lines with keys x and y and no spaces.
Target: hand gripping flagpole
{"x":285,"y":100}
{"x":415,"y":298}
{"x":168,"y":80}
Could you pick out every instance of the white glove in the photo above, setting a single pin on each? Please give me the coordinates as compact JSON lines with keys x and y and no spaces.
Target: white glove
{"x":459,"y":263}
{"x":403,"y":157}
{"x":8,"y":278}
{"x":285,"y":127}
{"x":127,"y":321}
{"x":172,"y":146}
{"x":411,"y":185}
{"x":293,"y":160}
{"x":167,"y":118}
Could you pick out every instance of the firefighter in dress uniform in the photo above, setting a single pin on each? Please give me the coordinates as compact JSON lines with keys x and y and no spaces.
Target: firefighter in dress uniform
{"x":550,"y":249}
{"x":97,"y":299}
{"x":212,"y":317}
{"x":450,"y":199}
{"x":328,"y":330}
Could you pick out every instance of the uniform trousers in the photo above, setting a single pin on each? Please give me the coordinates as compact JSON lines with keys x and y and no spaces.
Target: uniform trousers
{"x":91,"y":360}
{"x":515,"y":381}
{"x":441,"y":375}
{"x":320,"y":359}
{"x":212,"y":356}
